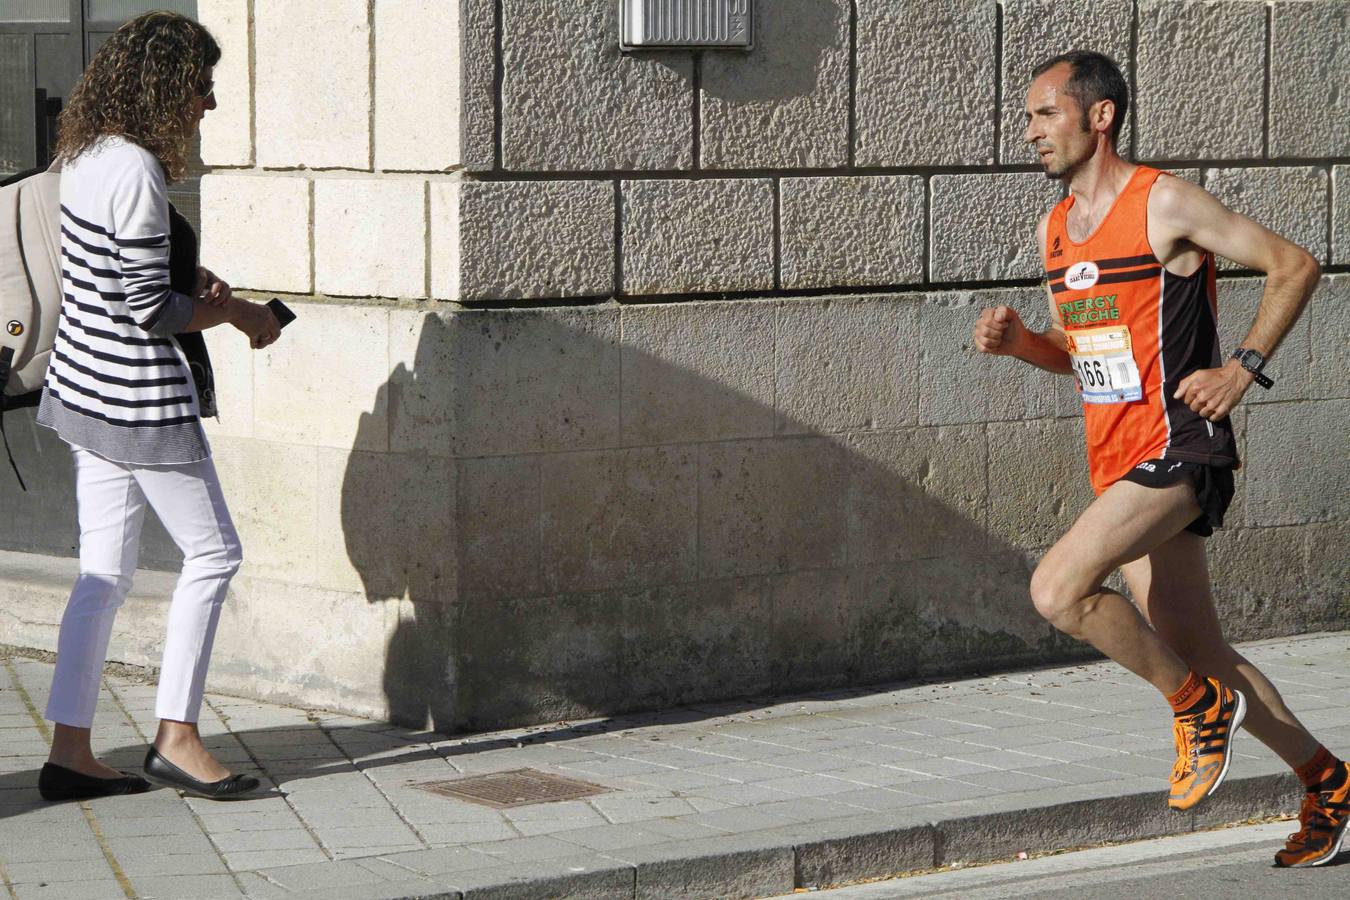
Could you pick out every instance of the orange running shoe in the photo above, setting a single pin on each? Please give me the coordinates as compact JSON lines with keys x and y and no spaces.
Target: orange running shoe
{"x":1324,"y":817}
{"x":1204,"y":745}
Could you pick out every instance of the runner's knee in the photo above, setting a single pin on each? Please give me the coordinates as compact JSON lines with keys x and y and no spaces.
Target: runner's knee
{"x":1054,"y":595}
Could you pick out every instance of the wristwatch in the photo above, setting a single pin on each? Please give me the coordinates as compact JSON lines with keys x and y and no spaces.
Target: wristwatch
{"x":1254,"y":362}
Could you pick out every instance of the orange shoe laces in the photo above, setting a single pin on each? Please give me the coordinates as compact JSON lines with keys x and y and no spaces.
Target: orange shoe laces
{"x":1183,"y":732}
{"x":1308,"y":814}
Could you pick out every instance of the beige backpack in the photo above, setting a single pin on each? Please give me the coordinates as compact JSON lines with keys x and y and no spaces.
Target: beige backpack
{"x":30,"y":285}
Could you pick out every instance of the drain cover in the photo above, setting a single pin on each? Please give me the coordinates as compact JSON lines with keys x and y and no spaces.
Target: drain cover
{"x":520,"y":787}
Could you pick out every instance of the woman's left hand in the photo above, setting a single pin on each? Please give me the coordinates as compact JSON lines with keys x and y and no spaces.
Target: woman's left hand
{"x":210,"y":289}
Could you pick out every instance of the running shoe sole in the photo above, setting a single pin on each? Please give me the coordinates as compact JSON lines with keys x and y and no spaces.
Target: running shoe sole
{"x":1238,"y":715}
{"x":1332,"y":852}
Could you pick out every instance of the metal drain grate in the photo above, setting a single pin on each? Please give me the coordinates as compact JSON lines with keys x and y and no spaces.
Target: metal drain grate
{"x":520,"y":787}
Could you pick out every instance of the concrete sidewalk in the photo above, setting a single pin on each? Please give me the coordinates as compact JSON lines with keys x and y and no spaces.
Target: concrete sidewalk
{"x":724,"y":800}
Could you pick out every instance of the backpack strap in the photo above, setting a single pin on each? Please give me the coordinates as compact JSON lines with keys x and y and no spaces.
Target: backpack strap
{"x":6,"y":361}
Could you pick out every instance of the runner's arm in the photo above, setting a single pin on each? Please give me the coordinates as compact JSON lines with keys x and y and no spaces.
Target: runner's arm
{"x":1000,"y":331}
{"x":1187,"y":212}
{"x":1184,"y":214}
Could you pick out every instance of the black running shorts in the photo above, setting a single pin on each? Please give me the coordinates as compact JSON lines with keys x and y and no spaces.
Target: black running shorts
{"x":1213,"y":487}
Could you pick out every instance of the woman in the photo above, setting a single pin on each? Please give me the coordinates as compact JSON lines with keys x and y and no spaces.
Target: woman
{"x":121,"y":392}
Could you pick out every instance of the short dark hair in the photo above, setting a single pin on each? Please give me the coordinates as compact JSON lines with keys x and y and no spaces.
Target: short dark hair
{"x":1094,"y":77}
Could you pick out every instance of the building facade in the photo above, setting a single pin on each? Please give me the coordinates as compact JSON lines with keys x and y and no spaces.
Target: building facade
{"x":626,"y":380}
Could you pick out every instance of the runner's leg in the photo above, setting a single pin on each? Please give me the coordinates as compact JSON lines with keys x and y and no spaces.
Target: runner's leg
{"x":1180,"y":608}
{"x":1126,"y":522}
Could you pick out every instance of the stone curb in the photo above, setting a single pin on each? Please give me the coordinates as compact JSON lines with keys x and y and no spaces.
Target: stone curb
{"x":875,"y":846}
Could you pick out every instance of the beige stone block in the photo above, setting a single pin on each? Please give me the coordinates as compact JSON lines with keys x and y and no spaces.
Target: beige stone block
{"x":846,"y":364}
{"x":697,"y":236}
{"x":852,"y":231}
{"x":530,"y":381}
{"x":256,"y":231}
{"x":1034,"y":31}
{"x":1236,"y":517}
{"x":1296,"y":463}
{"x":498,"y":527}
{"x":1260,"y":580}
{"x":271,"y":490}
{"x":42,"y":519}
{"x":521,"y":240}
{"x":313,"y":83}
{"x":772,"y":506}
{"x":685,"y":643}
{"x":619,"y":518}
{"x":1340,"y":215}
{"x":784,"y":105}
{"x":478,"y":73}
{"x":417,"y":85}
{"x":227,"y":130}
{"x":697,"y":371}
{"x":1199,"y":79}
{"x":523,"y":661}
{"x":370,"y":237}
{"x":389,"y":524}
{"x":1038,"y":482}
{"x":572,"y":102}
{"x":958,"y":384}
{"x":421,"y":396}
{"x":813,"y":639}
{"x":297,"y":644}
{"x":1289,"y":201}
{"x":1309,"y":69}
{"x":1328,"y":606}
{"x":324,"y":383}
{"x":1327,"y":318}
{"x":969,"y":609}
{"x":232,"y":368}
{"x":983,"y":227}
{"x":1290,"y":367}
{"x":921,"y":63}
{"x":916,"y":493}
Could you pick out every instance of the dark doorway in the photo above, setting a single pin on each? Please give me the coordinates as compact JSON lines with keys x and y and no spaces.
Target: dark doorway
{"x":44,"y":46}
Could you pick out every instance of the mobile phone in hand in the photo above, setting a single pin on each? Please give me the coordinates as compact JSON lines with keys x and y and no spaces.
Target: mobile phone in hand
{"x":281,"y":311}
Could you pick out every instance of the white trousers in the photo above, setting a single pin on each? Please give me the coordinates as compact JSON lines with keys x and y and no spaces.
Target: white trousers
{"x":112,"y":497}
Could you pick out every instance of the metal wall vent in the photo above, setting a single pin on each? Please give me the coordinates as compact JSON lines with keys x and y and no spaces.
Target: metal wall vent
{"x":520,"y":787}
{"x":654,"y":24}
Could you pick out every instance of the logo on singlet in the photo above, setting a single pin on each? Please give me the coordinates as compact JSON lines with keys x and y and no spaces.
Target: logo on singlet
{"x":1055,"y":249}
{"x":1081,"y":276}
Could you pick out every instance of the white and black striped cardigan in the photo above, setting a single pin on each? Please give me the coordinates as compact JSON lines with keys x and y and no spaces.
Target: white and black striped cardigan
{"x":118,"y":383}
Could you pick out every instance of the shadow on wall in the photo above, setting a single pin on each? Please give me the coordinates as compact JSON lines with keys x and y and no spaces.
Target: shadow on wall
{"x":43,"y":519}
{"x":552,"y":584}
{"x":787,"y":61}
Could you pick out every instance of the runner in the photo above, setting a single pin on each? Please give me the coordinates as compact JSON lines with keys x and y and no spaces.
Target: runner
{"x":1129,"y":259}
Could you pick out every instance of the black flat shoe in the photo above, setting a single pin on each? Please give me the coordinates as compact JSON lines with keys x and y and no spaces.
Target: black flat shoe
{"x":161,"y":771}
{"x":59,"y":783}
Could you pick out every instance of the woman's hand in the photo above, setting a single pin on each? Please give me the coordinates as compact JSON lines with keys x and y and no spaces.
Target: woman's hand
{"x":211,"y":290}
{"x":256,"y":321}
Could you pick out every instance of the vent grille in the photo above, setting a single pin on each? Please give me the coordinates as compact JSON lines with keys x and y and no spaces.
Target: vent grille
{"x":520,"y":787}
{"x":687,"y":23}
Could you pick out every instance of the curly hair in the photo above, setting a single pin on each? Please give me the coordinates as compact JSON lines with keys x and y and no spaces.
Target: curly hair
{"x":141,"y":85}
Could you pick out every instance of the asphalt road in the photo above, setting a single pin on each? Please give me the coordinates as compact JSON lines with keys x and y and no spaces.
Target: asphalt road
{"x":1233,"y":863}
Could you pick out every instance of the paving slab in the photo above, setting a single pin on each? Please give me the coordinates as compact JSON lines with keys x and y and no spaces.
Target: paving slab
{"x":730,"y":799}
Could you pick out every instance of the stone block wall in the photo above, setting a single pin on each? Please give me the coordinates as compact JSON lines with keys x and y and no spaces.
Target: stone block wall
{"x":629,"y":380}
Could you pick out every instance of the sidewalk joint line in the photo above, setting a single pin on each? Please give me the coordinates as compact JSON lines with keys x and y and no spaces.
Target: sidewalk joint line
{"x":117,"y":699}
{"x":318,"y":723}
{"x":122,"y":880}
{"x":225,"y":720}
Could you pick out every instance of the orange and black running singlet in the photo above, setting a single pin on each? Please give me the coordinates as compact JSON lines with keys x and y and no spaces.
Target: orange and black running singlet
{"x":1135,"y":331}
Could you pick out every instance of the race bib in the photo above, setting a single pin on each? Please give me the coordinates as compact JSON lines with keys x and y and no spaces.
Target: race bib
{"x":1103,"y":360}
